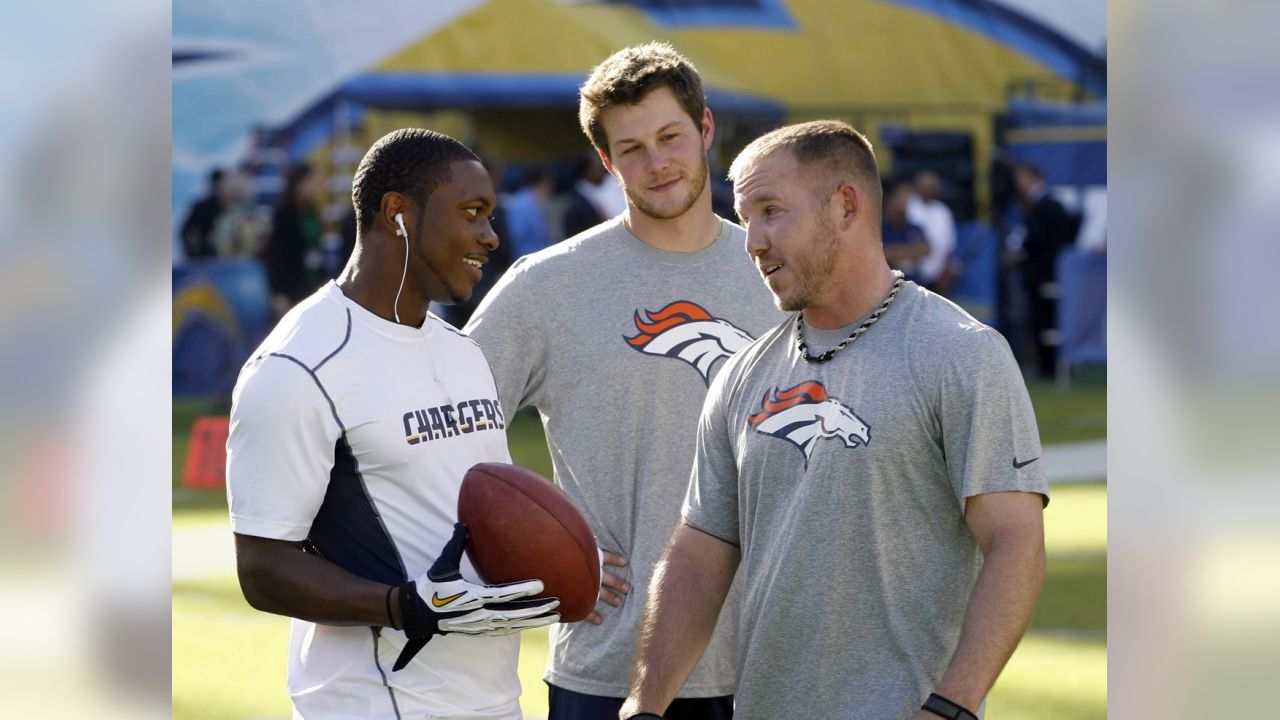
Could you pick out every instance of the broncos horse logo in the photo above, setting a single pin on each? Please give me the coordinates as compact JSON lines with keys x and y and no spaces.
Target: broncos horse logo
{"x":685,"y":331}
{"x":803,"y":414}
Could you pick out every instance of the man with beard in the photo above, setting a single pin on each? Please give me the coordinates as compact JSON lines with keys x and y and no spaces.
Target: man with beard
{"x":868,"y":469}
{"x":613,"y":336}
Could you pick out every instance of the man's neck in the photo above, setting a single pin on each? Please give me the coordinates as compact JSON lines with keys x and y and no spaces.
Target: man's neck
{"x":854,"y":296}
{"x":370,"y":284}
{"x":697,"y":228}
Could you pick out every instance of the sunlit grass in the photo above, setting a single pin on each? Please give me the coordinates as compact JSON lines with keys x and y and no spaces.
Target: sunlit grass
{"x":229,"y":660}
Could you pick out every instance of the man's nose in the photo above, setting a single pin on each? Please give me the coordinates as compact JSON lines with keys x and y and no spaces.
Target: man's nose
{"x":489,"y":237}
{"x":757,"y":241}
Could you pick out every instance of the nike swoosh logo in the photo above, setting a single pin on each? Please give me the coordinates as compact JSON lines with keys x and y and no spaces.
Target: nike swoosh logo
{"x":1017,"y":465}
{"x":438,"y":601}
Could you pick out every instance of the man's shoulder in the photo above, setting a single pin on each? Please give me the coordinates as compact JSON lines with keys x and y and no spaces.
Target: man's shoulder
{"x":573,"y":254}
{"x":457,"y":340}
{"x":940,"y":329}
{"x":597,"y":239}
{"x":311,"y":331}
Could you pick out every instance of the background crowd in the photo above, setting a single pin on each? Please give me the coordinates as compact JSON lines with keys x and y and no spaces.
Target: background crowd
{"x":300,"y":228}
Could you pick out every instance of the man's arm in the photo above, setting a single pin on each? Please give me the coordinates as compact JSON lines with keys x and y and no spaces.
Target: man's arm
{"x":275,"y":579}
{"x":1009,"y":528}
{"x":276,"y":576}
{"x":688,"y":589}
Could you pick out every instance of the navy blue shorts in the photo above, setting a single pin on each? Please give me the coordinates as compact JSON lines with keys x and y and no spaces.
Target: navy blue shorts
{"x":570,"y":705}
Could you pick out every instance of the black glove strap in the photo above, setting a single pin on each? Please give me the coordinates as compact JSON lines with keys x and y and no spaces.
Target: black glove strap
{"x":415,"y":616}
{"x":945,"y":708}
{"x":419,"y":623}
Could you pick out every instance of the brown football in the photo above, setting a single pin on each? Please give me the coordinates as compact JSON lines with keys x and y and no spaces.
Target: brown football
{"x":522,"y":527}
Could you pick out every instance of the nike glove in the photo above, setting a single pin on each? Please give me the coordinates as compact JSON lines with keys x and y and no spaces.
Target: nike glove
{"x":442,"y":602}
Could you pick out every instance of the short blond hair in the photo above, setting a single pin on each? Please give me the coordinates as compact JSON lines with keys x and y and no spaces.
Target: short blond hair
{"x":835,"y":147}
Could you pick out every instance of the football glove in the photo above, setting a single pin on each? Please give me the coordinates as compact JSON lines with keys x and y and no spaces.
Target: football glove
{"x":442,"y":602}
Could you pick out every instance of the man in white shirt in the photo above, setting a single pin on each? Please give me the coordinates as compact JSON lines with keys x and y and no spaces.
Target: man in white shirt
{"x":934,"y":217}
{"x":351,"y":428}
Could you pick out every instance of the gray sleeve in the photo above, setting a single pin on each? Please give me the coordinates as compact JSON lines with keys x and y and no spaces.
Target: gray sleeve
{"x":987,"y":420}
{"x":508,"y":330}
{"x":711,"y":502}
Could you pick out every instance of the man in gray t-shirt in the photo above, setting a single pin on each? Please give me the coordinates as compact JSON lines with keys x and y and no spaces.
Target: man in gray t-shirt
{"x":867,"y":469}
{"x":613,"y":336}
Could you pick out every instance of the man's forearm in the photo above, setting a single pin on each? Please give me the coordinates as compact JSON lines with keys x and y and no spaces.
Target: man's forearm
{"x":280,"y":578}
{"x":685,"y":597}
{"x":999,"y":612}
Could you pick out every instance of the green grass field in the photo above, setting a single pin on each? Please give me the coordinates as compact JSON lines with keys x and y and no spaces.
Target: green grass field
{"x":229,"y":660}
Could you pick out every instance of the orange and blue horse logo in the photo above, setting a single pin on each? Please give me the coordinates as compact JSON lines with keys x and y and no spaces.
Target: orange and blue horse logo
{"x":685,"y":331}
{"x":804,"y":414}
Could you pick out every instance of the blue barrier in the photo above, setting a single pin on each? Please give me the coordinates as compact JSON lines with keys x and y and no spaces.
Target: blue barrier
{"x":1082,"y":307}
{"x":221,"y":311}
{"x":977,"y":253}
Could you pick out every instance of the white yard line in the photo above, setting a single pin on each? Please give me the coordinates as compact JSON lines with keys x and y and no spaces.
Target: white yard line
{"x":1076,"y":462}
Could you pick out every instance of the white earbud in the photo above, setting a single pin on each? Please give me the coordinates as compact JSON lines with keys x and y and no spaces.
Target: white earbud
{"x":402,"y":232}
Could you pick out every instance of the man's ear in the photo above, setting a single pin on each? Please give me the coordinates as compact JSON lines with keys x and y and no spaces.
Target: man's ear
{"x":708,"y":127}
{"x":393,"y":203}
{"x":852,"y":203}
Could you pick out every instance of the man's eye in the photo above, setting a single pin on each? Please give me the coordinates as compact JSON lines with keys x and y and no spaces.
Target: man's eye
{"x":473,"y":212}
{"x":772,"y":210}
{"x":628,"y":151}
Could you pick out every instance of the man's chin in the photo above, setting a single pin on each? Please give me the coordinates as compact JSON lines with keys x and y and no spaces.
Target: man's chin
{"x":670,"y":209}
{"x":454,"y":295}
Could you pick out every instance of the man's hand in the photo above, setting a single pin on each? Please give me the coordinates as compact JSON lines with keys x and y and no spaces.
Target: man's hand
{"x":442,"y":602}
{"x":612,"y":586}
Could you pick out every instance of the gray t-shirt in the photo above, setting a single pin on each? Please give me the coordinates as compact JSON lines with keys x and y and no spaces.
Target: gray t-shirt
{"x":844,"y":485}
{"x":614,"y":342}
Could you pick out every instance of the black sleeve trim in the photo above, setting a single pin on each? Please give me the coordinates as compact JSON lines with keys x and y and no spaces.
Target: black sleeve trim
{"x":332,"y":408}
{"x":339,"y":348}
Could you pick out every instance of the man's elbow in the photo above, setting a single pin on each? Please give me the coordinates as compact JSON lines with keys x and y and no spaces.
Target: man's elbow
{"x":258,"y":573}
{"x":252,"y":585}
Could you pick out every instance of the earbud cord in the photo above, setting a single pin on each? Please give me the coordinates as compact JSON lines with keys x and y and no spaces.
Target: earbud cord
{"x":403,"y":273}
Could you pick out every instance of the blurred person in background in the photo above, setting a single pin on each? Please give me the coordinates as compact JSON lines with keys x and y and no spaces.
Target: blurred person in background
{"x":904,"y":241}
{"x":1048,"y":229}
{"x":342,"y":506}
{"x":292,"y":252}
{"x":198,"y":226}
{"x":525,"y":212}
{"x":926,"y":210}
{"x":241,"y":227}
{"x":613,"y":336}
{"x":607,"y":194}
{"x":582,"y":209}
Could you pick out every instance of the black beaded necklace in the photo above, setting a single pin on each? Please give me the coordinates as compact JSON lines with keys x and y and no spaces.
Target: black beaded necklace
{"x":871,"y":320}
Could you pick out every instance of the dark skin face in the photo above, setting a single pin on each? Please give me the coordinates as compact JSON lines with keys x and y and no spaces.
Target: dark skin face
{"x":450,"y":236}
{"x":453,"y":235}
